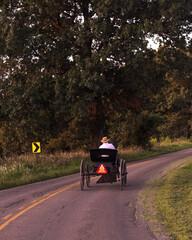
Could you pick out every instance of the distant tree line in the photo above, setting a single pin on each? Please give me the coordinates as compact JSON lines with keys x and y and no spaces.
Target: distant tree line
{"x":72,"y":71}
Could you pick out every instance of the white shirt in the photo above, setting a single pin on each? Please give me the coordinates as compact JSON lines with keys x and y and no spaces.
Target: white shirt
{"x":107,"y":145}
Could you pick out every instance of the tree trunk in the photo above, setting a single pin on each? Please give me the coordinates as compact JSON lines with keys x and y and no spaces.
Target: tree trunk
{"x":96,"y":118}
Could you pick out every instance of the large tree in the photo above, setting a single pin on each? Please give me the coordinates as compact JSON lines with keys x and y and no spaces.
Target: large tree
{"x":173,"y":102}
{"x":70,"y":61}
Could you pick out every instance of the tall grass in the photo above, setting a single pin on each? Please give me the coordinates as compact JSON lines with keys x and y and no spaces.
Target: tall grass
{"x":19,"y":170}
{"x":24,"y":169}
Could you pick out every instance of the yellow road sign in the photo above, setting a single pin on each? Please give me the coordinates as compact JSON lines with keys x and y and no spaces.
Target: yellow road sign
{"x":36,"y":148}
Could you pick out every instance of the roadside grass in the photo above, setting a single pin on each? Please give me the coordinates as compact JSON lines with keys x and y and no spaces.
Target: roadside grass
{"x":174,"y":202}
{"x":135,"y":153}
{"x":25,"y":169}
{"x":166,"y":202}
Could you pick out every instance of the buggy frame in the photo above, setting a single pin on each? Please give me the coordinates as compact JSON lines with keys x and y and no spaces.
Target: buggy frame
{"x":109,"y":160}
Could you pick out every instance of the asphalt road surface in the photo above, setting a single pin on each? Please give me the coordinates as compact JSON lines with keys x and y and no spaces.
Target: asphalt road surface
{"x":57,"y":209}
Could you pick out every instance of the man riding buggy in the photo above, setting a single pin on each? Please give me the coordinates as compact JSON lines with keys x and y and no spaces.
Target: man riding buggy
{"x":107,"y":145}
{"x":106,"y":163}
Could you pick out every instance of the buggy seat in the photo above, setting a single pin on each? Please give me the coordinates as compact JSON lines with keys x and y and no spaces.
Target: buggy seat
{"x":104,"y":155}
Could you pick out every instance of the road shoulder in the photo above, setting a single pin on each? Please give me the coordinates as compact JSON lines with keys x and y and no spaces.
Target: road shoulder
{"x":146,"y":206}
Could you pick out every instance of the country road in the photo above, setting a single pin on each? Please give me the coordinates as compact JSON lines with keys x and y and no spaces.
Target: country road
{"x":57,"y":209}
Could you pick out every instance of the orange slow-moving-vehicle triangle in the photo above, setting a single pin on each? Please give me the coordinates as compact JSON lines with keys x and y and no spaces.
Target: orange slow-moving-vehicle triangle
{"x":101,"y":169}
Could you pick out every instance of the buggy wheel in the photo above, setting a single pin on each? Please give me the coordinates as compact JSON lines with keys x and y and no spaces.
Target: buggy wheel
{"x":125,"y":173}
{"x":121,"y":174}
{"x":82,"y":175}
{"x":87,"y":175}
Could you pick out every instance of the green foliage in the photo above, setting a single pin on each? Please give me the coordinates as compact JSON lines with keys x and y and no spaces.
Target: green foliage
{"x":71,"y":68}
{"x":134,"y":128}
{"x":61,"y":143}
{"x":73,"y":138}
{"x":153,"y":141}
{"x":165,"y":140}
{"x":174,"y":101}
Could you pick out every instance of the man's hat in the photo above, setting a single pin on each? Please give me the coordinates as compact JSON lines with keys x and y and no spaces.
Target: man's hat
{"x":104,"y":140}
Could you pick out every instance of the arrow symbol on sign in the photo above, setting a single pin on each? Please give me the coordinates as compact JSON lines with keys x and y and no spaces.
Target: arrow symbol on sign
{"x":37,"y":147}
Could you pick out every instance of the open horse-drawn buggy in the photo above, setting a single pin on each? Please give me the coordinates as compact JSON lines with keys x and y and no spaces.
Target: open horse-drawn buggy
{"x":107,"y":164}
